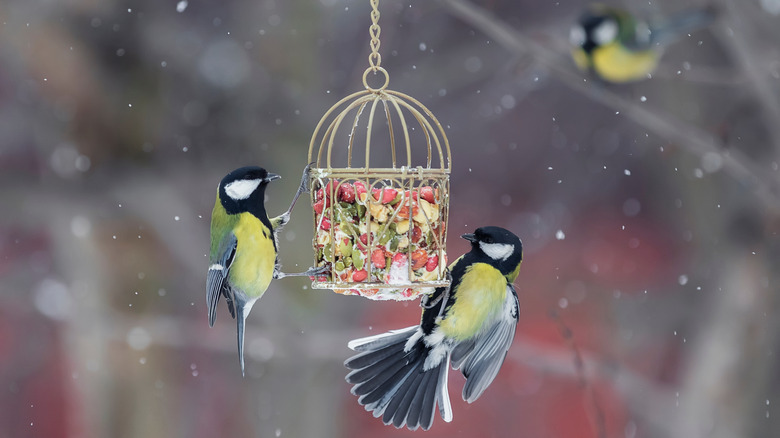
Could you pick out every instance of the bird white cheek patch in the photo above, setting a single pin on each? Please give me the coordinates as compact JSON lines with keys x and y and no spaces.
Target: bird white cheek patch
{"x":497,"y":251}
{"x":242,"y":188}
{"x":605,"y":33}
{"x":577,"y":36}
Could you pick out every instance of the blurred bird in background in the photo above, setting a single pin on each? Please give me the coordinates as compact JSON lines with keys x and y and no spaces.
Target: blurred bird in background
{"x":618,"y":47}
{"x":402,"y":375}
{"x":244,"y":246}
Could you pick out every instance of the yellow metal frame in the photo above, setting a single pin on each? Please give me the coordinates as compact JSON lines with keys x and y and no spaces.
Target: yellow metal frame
{"x":399,"y":110}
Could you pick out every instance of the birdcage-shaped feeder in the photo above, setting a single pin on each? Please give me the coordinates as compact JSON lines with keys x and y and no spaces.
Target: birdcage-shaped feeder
{"x":381,"y":231}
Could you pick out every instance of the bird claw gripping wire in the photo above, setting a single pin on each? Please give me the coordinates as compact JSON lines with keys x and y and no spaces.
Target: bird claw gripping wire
{"x":427,"y":303}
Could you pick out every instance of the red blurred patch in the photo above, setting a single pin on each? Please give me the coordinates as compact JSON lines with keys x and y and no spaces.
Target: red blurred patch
{"x":626,"y":253}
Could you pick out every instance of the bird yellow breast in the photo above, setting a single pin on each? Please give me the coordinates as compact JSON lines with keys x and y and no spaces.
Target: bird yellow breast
{"x":580,"y":59}
{"x":615,"y":63}
{"x":479,"y":297}
{"x":253,"y":264}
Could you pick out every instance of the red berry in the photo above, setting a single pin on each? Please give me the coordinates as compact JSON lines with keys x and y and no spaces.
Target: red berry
{"x":419,"y":259}
{"x":427,"y":194}
{"x":329,"y":186}
{"x":416,"y":234}
{"x":319,"y":206}
{"x":347,"y":193}
{"x":399,"y":259}
{"x":387,"y":194}
{"x":433,"y":263}
{"x":360,"y":275}
{"x":403,"y":210}
{"x":360,"y":188}
{"x":367,"y":292}
{"x":378,"y":258}
{"x":390,"y":195}
{"x":325,"y":225}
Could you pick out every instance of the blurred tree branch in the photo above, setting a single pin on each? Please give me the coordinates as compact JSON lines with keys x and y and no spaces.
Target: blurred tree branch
{"x":695,"y":140}
{"x":734,"y":35}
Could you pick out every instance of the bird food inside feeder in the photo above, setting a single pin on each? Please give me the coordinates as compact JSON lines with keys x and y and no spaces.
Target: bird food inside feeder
{"x":379,"y":233}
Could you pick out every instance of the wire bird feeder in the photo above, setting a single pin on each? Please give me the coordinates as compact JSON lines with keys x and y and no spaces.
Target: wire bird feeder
{"x":381,"y":231}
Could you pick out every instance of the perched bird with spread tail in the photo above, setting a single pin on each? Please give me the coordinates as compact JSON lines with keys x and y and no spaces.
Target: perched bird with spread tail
{"x":618,"y":47}
{"x":244,"y":245}
{"x":402,"y":375}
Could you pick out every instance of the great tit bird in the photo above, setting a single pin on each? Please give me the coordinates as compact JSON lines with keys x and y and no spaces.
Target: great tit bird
{"x":244,"y":246}
{"x":617,"y":47}
{"x":402,"y":375}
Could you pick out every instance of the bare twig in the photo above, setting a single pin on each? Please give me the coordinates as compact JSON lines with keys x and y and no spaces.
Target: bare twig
{"x":598,"y":413}
{"x":734,"y":35}
{"x":691,"y":138}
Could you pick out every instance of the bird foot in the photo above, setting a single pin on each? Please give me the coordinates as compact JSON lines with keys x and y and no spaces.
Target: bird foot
{"x":313,"y":271}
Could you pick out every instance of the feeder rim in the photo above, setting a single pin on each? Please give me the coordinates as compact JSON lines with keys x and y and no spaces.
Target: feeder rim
{"x":372,"y":172}
{"x":363,"y":286}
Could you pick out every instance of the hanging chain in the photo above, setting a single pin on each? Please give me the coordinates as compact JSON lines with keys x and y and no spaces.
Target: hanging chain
{"x":375,"y":59}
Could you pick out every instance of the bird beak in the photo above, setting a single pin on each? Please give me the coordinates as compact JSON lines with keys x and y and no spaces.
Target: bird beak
{"x":272,"y":176}
{"x":470,"y":237}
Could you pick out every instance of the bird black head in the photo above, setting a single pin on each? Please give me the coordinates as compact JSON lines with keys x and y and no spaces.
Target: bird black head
{"x":597,"y":26}
{"x":244,"y":188}
{"x":501,"y":246}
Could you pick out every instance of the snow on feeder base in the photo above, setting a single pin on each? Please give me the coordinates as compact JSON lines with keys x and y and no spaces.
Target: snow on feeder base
{"x":381,"y":231}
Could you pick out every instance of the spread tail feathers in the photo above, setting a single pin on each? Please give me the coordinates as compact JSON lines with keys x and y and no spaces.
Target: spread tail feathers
{"x":391,"y":380}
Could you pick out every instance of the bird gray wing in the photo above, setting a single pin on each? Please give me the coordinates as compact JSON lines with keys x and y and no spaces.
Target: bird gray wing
{"x":481,"y":357}
{"x":682,"y":23}
{"x":216,"y":278}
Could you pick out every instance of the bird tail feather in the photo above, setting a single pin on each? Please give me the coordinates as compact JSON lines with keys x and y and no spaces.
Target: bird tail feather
{"x":390,"y":379}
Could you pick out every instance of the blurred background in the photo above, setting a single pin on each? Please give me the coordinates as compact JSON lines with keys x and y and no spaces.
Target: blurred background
{"x":649,"y":213}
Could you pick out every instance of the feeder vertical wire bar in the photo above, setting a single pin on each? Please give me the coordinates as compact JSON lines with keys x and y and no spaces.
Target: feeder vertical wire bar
{"x":410,"y":231}
{"x":389,"y":219}
{"x":322,"y":121}
{"x":334,"y":126}
{"x":426,"y":124}
{"x":330,"y":188}
{"x":369,"y":234}
{"x":438,"y":125}
{"x":390,"y":128}
{"x":439,"y":236}
{"x":443,"y":213}
{"x":352,"y":134}
{"x":442,"y":231}
{"x":328,"y":137}
{"x":405,"y":130}
{"x":369,"y":127}
{"x":425,"y":129}
{"x":428,"y":128}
